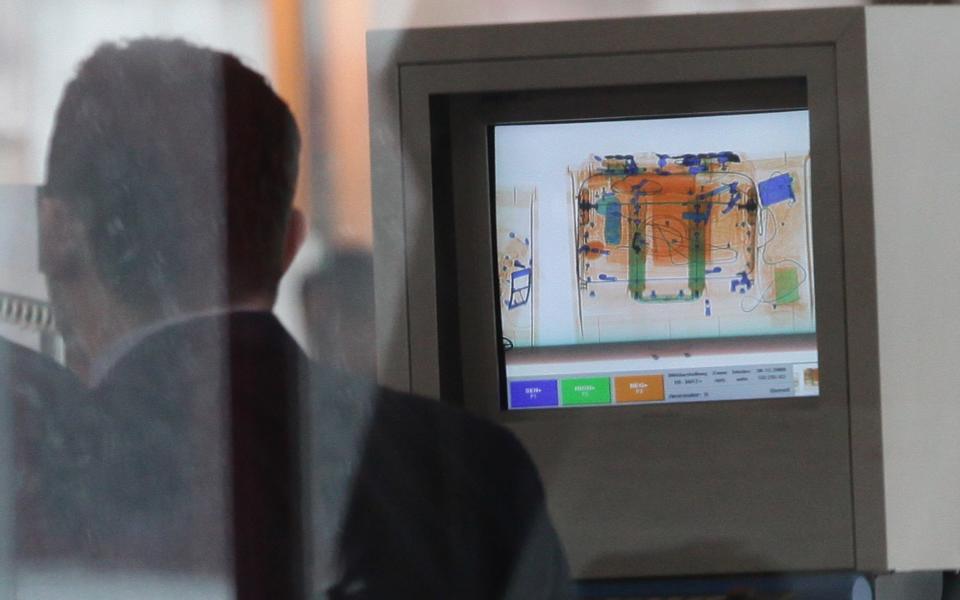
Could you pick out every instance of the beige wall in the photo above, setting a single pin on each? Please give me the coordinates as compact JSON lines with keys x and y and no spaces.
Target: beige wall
{"x":42,"y":41}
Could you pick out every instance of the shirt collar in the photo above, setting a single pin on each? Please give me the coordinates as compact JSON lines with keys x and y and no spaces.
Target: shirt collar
{"x":109,"y":358}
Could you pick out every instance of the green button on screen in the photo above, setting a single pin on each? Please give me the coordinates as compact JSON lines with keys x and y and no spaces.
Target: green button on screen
{"x":592,"y":390}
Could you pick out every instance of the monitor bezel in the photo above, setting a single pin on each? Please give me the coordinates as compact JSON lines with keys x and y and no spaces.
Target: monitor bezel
{"x":468,"y":120}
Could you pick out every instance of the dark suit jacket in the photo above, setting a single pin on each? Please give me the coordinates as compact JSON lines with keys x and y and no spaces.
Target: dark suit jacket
{"x":43,"y":399}
{"x":407,"y":497}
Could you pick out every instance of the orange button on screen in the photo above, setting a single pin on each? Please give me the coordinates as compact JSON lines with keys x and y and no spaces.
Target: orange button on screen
{"x":639,"y":388}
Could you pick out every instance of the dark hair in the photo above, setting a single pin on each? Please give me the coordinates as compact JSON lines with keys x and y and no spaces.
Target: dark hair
{"x":181,"y":163}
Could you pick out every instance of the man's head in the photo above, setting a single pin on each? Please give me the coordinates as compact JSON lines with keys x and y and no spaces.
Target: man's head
{"x":170,"y":178}
{"x":178,"y":164}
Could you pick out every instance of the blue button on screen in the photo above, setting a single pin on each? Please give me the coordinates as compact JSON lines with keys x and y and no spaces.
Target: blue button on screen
{"x":539,"y":393}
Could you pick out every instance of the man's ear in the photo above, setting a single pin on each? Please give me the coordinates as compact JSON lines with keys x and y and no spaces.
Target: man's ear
{"x":61,"y":236}
{"x":295,"y":236}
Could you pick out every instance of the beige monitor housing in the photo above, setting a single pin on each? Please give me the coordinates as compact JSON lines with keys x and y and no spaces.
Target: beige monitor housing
{"x":863,"y":476}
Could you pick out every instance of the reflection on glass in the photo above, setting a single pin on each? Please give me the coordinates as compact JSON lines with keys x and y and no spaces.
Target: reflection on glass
{"x":168,"y":460}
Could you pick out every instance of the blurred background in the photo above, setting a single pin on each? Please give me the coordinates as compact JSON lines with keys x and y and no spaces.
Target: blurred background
{"x":313,"y":51}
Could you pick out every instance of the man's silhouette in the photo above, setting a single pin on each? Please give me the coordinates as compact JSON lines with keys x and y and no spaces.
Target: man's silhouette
{"x":166,"y":226}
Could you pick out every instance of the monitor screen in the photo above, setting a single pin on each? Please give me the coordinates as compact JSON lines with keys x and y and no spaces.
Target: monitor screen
{"x":655,"y":260}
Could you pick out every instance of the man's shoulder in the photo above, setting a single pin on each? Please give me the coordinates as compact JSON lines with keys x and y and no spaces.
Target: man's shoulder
{"x":418,"y":423}
{"x":448,"y":504}
{"x":417,"y":415}
{"x":419,"y":436}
